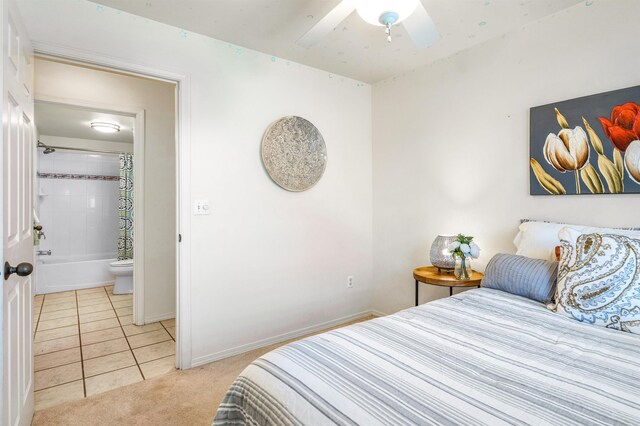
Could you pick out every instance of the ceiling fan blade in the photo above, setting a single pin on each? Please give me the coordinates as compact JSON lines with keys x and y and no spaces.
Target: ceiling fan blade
{"x":421,"y":28}
{"x":327,"y":24}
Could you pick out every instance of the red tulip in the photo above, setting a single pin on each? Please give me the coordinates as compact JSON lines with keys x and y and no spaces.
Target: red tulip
{"x":624,"y":126}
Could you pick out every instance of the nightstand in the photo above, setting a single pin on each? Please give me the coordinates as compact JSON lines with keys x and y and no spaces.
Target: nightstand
{"x":432,"y":275}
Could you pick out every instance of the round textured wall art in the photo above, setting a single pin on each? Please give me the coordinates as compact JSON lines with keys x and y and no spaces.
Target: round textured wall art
{"x":294,"y":153}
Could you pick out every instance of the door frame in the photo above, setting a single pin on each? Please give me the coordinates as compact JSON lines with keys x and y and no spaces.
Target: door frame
{"x":183,"y":176}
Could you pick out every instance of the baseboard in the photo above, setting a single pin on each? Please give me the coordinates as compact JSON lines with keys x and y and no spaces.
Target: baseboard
{"x":161,"y":317}
{"x":280,"y":338}
{"x":378,"y":313}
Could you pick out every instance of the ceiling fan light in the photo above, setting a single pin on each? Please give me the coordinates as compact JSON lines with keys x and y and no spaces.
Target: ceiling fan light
{"x":371,"y":10}
{"x":105,"y":127}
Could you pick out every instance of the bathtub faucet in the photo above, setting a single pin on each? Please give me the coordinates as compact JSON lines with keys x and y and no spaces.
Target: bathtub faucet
{"x":43,"y":253}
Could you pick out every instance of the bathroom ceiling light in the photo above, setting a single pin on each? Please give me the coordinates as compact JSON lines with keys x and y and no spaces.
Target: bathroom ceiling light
{"x":105,"y":127}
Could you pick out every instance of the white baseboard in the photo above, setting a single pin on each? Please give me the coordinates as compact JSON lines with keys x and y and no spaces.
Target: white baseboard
{"x":161,"y":317}
{"x":280,"y":338}
{"x":378,"y":313}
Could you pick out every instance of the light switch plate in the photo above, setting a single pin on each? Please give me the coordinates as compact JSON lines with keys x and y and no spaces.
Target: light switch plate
{"x":201,"y":207}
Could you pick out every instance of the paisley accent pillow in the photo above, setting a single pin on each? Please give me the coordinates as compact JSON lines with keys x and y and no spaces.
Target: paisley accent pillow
{"x":599,"y":279}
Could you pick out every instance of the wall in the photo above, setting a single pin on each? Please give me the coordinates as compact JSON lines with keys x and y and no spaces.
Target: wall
{"x":266,"y":262}
{"x":451,"y":140}
{"x":79,"y":216}
{"x":110,"y":91}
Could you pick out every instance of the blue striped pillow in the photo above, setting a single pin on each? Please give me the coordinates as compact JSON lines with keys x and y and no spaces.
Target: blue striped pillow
{"x":531,"y":278}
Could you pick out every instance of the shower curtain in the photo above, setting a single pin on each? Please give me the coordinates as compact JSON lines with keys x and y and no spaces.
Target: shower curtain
{"x":125,"y":208}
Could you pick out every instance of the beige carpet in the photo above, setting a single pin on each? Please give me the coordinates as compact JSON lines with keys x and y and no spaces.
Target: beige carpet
{"x":188,"y":397}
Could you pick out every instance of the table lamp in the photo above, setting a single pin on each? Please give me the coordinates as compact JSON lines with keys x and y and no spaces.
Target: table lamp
{"x":440,"y":255}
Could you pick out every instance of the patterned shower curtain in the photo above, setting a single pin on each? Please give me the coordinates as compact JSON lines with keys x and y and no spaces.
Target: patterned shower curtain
{"x":125,"y":208}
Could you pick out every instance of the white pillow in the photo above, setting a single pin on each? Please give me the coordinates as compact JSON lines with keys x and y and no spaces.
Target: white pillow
{"x":599,"y":279}
{"x":540,"y":239}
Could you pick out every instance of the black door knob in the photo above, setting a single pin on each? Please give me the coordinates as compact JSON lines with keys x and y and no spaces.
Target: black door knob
{"x":22,"y":270}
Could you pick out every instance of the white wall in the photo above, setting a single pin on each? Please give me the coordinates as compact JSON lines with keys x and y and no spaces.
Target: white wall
{"x":79,"y":216}
{"x":55,"y":81}
{"x":266,"y":261}
{"x":451,"y":141}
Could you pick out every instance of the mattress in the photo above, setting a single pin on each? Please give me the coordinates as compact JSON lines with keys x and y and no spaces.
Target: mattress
{"x":483,"y":357}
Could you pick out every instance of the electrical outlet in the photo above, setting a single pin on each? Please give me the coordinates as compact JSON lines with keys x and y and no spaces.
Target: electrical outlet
{"x":349,"y":281}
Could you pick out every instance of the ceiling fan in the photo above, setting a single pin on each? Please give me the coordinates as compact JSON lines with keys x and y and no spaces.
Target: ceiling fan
{"x":385,"y":13}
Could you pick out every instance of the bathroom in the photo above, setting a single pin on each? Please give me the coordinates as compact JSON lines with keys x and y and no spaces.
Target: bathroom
{"x":104,"y":231}
{"x":78,"y":201}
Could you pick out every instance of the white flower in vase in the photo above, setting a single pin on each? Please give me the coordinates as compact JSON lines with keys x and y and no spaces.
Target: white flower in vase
{"x":463,"y":248}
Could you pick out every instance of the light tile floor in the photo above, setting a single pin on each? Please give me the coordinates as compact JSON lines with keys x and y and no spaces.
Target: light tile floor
{"x":85,"y":343}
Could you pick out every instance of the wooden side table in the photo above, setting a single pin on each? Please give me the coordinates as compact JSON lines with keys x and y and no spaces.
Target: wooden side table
{"x":431,"y":275}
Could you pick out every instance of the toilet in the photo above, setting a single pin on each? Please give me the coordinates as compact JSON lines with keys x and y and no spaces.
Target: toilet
{"x":123,"y":271}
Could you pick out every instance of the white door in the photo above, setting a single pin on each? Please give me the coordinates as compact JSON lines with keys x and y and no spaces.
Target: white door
{"x":17,"y":237}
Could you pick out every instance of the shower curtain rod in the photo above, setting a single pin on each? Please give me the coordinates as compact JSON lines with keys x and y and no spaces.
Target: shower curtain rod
{"x":97,"y":151}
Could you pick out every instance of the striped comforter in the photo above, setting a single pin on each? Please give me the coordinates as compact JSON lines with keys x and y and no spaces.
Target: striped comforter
{"x":483,"y":357}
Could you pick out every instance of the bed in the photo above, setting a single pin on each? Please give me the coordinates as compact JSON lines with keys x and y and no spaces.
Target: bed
{"x":481,"y":357}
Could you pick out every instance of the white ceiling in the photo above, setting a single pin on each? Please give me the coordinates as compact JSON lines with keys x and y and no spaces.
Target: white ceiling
{"x":74,"y":122}
{"x":354,"y":49}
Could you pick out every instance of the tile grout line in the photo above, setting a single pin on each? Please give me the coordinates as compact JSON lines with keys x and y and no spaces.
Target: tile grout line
{"x":39,"y":315}
{"x":111,"y":371}
{"x":96,"y":375}
{"x":59,"y":384}
{"x":59,"y":337}
{"x":137,"y":363}
{"x":55,"y":366}
{"x":84,"y":385}
{"x":102,"y":341}
{"x":59,"y":350}
{"x":56,"y":328}
{"x":126,"y":339}
{"x":53,"y":319}
{"x":102,"y":356}
{"x":79,"y":333}
{"x":84,"y":377}
{"x":165,"y":329}
{"x":78,"y":318}
{"x":112,"y":353}
{"x":78,"y":303}
{"x":70,"y":325}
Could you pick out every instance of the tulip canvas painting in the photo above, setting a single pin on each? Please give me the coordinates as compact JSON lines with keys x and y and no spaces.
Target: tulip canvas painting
{"x":588,"y":145}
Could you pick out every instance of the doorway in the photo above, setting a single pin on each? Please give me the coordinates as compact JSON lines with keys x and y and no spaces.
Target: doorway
{"x":113,"y":338}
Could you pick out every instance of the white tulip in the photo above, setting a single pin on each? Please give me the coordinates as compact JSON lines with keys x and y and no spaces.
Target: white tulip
{"x":475,"y":251}
{"x":464,"y":248}
{"x":569,"y":150}
{"x":632,"y":161}
{"x":454,"y":245}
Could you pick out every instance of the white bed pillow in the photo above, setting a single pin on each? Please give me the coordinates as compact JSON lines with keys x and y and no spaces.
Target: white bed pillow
{"x":539,"y":240}
{"x":599,"y":279}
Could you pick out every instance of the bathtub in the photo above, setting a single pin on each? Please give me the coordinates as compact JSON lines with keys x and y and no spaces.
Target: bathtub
{"x":62,"y":273}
